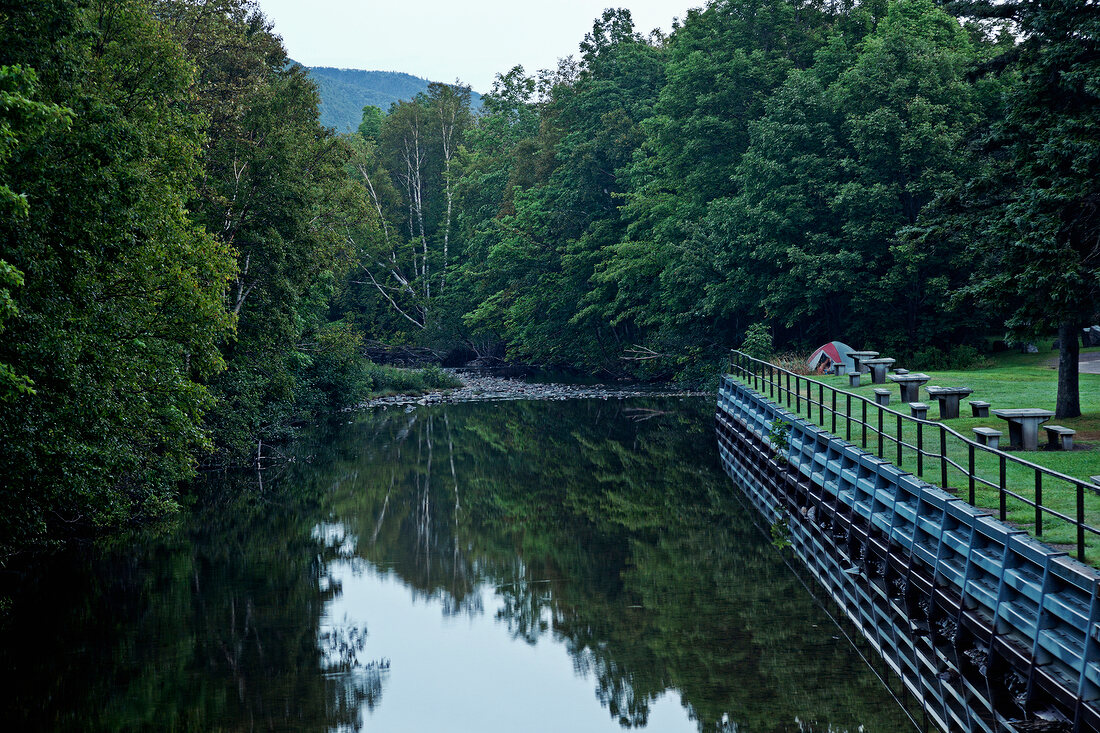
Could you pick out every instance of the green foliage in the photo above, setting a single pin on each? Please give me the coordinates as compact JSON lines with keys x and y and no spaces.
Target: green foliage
{"x":758,"y":341}
{"x":371,"y":125}
{"x":436,"y":378}
{"x":1028,"y":216}
{"x":779,"y":435}
{"x":276,"y":189}
{"x":338,"y":370}
{"x":22,"y":120}
{"x":189,"y":258}
{"x":395,"y":380}
{"x":636,"y":210}
{"x":956,"y":358}
{"x":780,"y":531}
{"x":121,"y":309}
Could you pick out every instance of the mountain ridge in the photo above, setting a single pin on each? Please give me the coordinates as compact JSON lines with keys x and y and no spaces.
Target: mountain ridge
{"x":344,"y":92}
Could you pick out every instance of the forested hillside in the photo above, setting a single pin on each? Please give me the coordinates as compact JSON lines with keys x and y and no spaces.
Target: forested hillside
{"x":345,"y":92}
{"x":910,"y":175}
{"x":190,"y":261}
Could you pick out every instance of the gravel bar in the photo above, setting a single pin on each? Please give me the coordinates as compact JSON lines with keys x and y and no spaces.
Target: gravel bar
{"x":476,"y":388}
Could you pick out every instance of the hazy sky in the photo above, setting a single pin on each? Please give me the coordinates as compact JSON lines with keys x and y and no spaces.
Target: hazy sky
{"x":445,"y":40}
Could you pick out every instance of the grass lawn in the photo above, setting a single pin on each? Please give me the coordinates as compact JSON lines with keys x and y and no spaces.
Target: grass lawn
{"x":1014,"y":381}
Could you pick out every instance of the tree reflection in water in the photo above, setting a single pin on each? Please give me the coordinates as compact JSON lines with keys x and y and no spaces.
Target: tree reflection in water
{"x":607,"y":527}
{"x":604,"y":527}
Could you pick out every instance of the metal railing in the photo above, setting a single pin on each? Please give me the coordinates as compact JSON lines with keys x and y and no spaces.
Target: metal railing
{"x":886,"y":430}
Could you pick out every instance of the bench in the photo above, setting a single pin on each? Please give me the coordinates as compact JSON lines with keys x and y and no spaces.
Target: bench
{"x":979,"y":408}
{"x":853,"y":379}
{"x":919,"y":410}
{"x":901,"y":372}
{"x":882,"y":397}
{"x":988,"y":437}
{"x":1059,"y":438}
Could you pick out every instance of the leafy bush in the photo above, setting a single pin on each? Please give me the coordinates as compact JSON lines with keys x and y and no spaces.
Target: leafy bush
{"x":957,"y":359}
{"x":338,"y":369}
{"x":758,"y":341}
{"x":392,"y":380}
{"x":436,"y":378}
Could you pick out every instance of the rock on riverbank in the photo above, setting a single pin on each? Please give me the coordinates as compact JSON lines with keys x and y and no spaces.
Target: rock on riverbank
{"x":476,"y":388}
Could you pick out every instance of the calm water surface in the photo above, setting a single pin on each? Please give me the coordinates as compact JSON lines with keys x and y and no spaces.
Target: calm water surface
{"x":530,"y":566}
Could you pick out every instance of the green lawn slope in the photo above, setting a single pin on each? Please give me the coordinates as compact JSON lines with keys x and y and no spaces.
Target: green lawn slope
{"x":1010,"y":381}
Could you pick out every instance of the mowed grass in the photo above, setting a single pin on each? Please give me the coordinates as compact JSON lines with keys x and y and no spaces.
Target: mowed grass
{"x":1014,"y":381}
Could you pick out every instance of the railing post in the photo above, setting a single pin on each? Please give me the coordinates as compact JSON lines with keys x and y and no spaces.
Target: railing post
{"x":797,"y":395}
{"x":788,"y":390}
{"x":1003,"y":486}
{"x":821,"y":403}
{"x":1038,"y":503}
{"x":970,"y":470}
{"x":881,"y":452}
{"x":899,"y":439}
{"x":771,"y":381}
{"x":848,"y":416}
{"x":943,"y":456}
{"x":1081,"y":521}
{"x":864,"y":421}
{"x":920,"y":448}
{"x":833,"y":392}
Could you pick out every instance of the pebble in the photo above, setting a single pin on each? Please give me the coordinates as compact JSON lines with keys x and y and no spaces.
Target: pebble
{"x":477,"y":388}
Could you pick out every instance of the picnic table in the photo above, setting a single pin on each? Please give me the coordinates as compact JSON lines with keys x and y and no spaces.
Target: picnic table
{"x":910,"y":385}
{"x":1023,"y":426}
{"x":948,"y":398}
{"x":878,"y":369}
{"x":857,"y":356}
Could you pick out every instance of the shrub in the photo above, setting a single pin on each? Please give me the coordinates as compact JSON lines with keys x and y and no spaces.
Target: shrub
{"x":958,"y":358}
{"x":436,"y":378}
{"x":338,"y":369}
{"x":792,"y":361}
{"x":393,"y":380}
{"x":758,"y":341}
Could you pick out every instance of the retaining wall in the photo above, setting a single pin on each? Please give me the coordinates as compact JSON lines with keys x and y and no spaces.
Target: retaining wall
{"x":992,"y":629}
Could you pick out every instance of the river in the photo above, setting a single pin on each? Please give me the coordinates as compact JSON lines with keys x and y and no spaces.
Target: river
{"x":525,"y":566}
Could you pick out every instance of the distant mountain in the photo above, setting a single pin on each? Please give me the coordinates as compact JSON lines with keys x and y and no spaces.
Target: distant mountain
{"x":344,"y":93}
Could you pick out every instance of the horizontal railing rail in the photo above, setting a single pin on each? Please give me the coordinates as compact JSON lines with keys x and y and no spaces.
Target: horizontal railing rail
{"x":886,"y":430}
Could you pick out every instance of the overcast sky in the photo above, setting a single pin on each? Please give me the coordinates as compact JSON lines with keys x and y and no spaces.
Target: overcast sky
{"x":445,"y":40}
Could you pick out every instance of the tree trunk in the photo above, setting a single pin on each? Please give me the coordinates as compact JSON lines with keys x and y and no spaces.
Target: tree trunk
{"x":1069,"y":354}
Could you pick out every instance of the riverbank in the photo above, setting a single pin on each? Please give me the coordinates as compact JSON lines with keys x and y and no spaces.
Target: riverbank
{"x":1010,"y":381}
{"x":480,"y":388}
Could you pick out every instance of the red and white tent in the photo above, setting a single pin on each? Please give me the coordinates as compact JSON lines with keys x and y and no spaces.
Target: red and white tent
{"x":830,"y":354}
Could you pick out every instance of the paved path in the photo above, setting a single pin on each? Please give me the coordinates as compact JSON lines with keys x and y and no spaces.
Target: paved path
{"x":1090,"y":363}
{"x":1087,"y":363}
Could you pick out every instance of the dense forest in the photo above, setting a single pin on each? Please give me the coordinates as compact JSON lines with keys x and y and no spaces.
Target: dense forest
{"x":190,"y":261}
{"x":912,"y":175}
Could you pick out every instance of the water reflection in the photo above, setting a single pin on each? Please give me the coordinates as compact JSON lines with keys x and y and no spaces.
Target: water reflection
{"x":470,"y":567}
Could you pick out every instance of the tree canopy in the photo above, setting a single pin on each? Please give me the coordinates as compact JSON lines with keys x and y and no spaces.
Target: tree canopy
{"x":191,"y":263}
